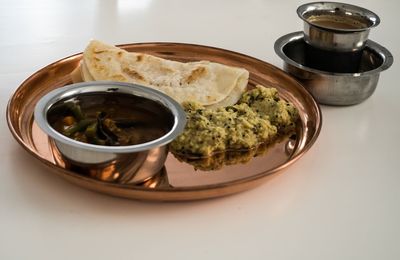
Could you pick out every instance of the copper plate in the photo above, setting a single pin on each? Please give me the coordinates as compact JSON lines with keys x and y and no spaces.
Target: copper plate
{"x":178,"y":181}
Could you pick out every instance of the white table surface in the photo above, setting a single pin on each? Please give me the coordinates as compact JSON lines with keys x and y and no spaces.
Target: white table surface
{"x":340,"y":201}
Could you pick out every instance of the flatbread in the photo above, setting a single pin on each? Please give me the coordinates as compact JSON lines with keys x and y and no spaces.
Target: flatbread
{"x":205,"y":82}
{"x":85,"y":72}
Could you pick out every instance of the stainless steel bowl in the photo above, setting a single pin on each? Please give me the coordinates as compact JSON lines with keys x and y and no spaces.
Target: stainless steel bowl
{"x":125,"y":164}
{"x":333,"y":88}
{"x":336,"y":26}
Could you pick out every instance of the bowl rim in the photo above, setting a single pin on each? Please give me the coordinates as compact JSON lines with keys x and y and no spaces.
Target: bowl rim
{"x":309,"y":7}
{"x":281,"y":42}
{"x":41,"y":108}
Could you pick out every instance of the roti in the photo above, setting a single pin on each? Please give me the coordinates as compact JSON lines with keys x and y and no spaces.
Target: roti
{"x":208,"y":83}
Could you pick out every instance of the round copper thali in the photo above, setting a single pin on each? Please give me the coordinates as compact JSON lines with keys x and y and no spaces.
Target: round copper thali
{"x":179,"y":180}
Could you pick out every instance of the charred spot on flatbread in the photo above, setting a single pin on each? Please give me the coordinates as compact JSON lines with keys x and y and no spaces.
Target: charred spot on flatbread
{"x":133,"y":73}
{"x":195,"y":75}
{"x":139,"y":58}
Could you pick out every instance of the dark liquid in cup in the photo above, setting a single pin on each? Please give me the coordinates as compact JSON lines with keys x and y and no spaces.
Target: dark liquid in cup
{"x":339,"y":21}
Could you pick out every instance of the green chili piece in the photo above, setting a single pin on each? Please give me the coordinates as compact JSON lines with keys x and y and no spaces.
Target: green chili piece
{"x":91,"y":130}
{"x":91,"y":134}
{"x":76,"y":110}
{"x":80,"y":126}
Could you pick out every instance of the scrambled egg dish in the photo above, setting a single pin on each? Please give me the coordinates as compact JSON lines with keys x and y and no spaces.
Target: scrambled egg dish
{"x":259,"y":117}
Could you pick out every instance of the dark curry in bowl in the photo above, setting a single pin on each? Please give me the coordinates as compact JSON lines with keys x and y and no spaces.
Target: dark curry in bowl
{"x":112,"y":119}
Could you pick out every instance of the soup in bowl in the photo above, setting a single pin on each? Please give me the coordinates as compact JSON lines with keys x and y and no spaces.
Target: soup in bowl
{"x":110,"y":130}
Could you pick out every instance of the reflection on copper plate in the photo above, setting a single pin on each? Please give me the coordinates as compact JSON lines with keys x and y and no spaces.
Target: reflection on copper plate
{"x":178,"y":180}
